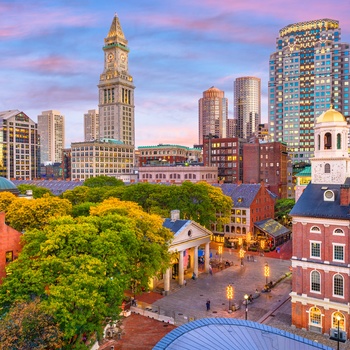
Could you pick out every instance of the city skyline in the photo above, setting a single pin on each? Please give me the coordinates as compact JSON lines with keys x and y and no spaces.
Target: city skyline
{"x":52,"y":57}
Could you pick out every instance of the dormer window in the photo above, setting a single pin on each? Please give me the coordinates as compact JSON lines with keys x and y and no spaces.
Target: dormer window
{"x":328,"y":196}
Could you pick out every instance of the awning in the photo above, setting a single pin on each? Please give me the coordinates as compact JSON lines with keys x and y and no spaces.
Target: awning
{"x":272,"y":228}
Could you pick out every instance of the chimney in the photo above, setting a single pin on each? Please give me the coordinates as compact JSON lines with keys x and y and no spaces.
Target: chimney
{"x":344,"y":195}
{"x":175,"y":215}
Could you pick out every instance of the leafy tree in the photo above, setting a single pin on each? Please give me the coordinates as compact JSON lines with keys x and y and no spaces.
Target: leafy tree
{"x":29,"y":326}
{"x":102,"y":181}
{"x":82,"y":209}
{"x":6,"y":198}
{"x":282,"y":209}
{"x":38,"y":191}
{"x":80,"y":268}
{"x":76,"y":196}
{"x":23,"y":214}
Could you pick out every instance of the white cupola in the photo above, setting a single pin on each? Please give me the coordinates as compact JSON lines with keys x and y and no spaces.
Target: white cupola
{"x":330,"y":164}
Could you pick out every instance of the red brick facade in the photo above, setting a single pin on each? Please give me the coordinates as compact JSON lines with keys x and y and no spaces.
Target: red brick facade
{"x":9,"y":245}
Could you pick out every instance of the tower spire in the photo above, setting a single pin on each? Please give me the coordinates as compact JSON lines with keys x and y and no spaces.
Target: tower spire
{"x":115,"y":34}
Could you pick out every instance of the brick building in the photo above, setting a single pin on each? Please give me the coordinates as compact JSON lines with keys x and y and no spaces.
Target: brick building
{"x":226,"y":155}
{"x":266,"y":162}
{"x":321,"y":221}
{"x":251,"y":203}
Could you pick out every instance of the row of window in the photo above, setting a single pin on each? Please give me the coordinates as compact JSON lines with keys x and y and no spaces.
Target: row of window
{"x":338,"y":251}
{"x":315,"y":318}
{"x":338,"y":283}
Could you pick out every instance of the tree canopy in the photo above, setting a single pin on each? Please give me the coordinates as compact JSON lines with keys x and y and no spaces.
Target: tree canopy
{"x":282,"y":209}
{"x":79,"y":268}
{"x":38,"y":191}
{"x":102,"y":181}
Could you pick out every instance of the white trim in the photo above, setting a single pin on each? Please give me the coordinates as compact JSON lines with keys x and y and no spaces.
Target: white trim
{"x":336,"y":295}
{"x":319,"y":274}
{"x":313,"y":256}
{"x":338,"y":234}
{"x":316,"y":265}
{"x":344,"y":250}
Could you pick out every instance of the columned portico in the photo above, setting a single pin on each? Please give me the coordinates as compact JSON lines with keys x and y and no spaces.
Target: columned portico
{"x":207,"y":257}
{"x":195,"y":265}
{"x":181,"y":268}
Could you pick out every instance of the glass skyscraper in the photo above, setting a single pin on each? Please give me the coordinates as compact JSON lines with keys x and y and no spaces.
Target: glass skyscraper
{"x":308,"y":73}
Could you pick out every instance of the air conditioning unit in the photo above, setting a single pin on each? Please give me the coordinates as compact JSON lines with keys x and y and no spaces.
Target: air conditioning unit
{"x":334,"y":335}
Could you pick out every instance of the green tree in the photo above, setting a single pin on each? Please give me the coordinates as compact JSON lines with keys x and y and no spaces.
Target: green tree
{"x":80,"y":268}
{"x":282,"y":209}
{"x":82,"y":209}
{"x":23,"y":214}
{"x":38,"y":191}
{"x":102,"y":181}
{"x":28,"y":326}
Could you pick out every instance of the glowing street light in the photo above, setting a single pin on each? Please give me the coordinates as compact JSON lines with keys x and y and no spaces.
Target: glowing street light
{"x":230,"y":295}
{"x":266,"y":271}
{"x":246,"y":297}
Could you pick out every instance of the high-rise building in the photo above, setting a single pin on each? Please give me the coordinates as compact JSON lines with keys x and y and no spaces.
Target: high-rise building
{"x":247,"y":105}
{"x":116,"y":89}
{"x":320,"y":259}
{"x":91,"y":125}
{"x":308,"y":72}
{"x":52,"y":137}
{"x":213,"y":112}
{"x":19,"y":146}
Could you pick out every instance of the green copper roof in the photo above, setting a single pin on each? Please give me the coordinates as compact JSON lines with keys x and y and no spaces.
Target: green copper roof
{"x":305,"y":172}
{"x":6,"y":184}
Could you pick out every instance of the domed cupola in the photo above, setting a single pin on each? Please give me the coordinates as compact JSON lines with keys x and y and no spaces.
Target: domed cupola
{"x":330,"y":162}
{"x":8,"y":186}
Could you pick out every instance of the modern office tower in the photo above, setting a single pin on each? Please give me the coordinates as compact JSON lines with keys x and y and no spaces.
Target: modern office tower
{"x":247,"y":105}
{"x":321,"y":227}
{"x":19,"y":146}
{"x":308,"y":72}
{"x":231,"y":127}
{"x":116,"y":89}
{"x":91,"y":125}
{"x":52,"y":137}
{"x":213,"y":112}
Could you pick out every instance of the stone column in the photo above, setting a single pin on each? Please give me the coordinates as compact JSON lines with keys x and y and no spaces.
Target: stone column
{"x":207,"y":257}
{"x":181,"y":268}
{"x":166,"y":277}
{"x":195,"y":265}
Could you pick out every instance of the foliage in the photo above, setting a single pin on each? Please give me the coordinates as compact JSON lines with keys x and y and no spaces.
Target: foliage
{"x":29,"y":326}
{"x":102,"y":181}
{"x":38,"y":192}
{"x":23,"y":214}
{"x":6,"y":198}
{"x":282,"y":210}
{"x":77,"y":195}
{"x":80,"y":268}
{"x":82,"y":209}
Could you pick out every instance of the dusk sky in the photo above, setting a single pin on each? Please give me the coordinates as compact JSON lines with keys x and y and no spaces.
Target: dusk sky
{"x":51,"y":55}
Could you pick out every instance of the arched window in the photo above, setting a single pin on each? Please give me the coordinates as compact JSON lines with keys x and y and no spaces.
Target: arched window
{"x":338,"y":231}
{"x":315,"y":316}
{"x":315,"y":281}
{"x":338,"y":285}
{"x":327,"y":168}
{"x":338,"y":141}
{"x":328,"y":141}
{"x":315,"y":229}
{"x":319,"y":142}
{"x":338,"y":316}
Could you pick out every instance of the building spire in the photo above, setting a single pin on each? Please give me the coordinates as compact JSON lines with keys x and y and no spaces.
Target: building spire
{"x":115,"y":31}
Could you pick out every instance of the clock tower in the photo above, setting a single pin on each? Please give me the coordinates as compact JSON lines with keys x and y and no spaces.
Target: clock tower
{"x":116,"y":89}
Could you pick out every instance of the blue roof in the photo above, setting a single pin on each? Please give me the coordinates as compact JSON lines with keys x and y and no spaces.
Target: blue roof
{"x":242,"y":195}
{"x":176,"y":226}
{"x":233,"y":334}
{"x":312,"y":204}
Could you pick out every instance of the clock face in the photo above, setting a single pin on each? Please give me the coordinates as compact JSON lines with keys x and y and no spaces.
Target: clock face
{"x":123,"y":57}
{"x":110,"y":57}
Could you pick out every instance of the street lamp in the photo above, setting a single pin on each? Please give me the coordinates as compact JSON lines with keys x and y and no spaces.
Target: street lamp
{"x":229,"y":294}
{"x":246,"y":297}
{"x":241,"y":255}
{"x":338,"y":319}
{"x":220,"y":252}
{"x":266,"y":271}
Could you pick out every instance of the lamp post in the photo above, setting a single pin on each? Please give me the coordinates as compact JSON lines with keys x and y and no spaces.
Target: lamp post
{"x":338,"y":319}
{"x":246,"y":296}
{"x":241,"y":255}
{"x":266,"y":272}
{"x":229,"y":295}
{"x":220,"y":252}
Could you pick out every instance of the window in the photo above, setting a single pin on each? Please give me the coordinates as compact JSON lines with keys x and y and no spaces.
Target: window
{"x":341,"y":317}
{"x":327,"y":141}
{"x":338,"y":285}
{"x":338,"y":232}
{"x":338,"y":141}
{"x":338,"y":252}
{"x":327,"y":168}
{"x":315,"y":250}
{"x":315,"y":316}
{"x":315,"y":281}
{"x":315,"y":229}
{"x":9,"y":256}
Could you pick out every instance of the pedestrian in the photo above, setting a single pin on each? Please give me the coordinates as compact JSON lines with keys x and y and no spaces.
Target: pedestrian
{"x":185,"y":283}
{"x":210,"y":270}
{"x":208,"y":305}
